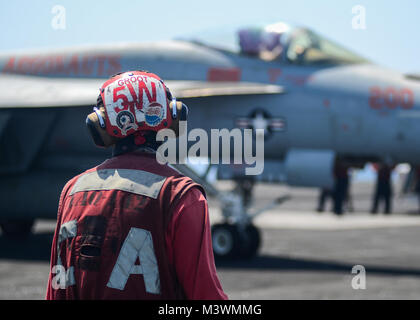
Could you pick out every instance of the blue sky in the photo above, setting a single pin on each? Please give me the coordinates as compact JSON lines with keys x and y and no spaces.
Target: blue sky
{"x":391,"y":37}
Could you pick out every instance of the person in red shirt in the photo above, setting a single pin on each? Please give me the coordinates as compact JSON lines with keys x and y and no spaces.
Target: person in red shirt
{"x":132,"y":228}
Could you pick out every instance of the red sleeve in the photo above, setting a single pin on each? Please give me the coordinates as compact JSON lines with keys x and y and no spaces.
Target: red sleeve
{"x":52,"y":294}
{"x":188,"y":240}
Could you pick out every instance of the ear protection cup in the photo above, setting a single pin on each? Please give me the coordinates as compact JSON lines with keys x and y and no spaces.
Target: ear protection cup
{"x":96,"y":125}
{"x":97,"y":130}
{"x":181,"y":114}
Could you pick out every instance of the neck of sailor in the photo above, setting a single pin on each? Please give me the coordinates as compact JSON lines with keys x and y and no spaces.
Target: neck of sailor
{"x":127,"y":144}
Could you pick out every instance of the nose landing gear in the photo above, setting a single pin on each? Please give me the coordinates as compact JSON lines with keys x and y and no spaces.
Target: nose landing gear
{"x":236,"y":236}
{"x":231,"y":241}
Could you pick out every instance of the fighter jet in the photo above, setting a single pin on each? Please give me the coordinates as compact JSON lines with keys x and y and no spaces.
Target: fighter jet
{"x":315,"y":100}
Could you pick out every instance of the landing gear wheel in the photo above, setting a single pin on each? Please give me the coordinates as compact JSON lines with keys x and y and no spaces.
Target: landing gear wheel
{"x":230,"y":242}
{"x":17,"y":228}
{"x":251,"y":243}
{"x":226,"y":241}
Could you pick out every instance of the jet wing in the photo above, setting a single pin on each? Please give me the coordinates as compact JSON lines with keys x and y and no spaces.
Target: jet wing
{"x":196,"y":89}
{"x":32,"y":91}
{"x":22,"y":91}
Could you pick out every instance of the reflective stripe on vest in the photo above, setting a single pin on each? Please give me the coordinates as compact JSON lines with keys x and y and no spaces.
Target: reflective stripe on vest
{"x":134,"y":181}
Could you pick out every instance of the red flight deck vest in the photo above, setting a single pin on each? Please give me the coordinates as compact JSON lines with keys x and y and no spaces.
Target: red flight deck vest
{"x":110,"y":236}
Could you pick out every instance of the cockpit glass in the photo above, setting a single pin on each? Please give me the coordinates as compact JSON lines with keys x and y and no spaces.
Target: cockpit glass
{"x":267,"y":43}
{"x":306,"y":47}
{"x":278,"y":42}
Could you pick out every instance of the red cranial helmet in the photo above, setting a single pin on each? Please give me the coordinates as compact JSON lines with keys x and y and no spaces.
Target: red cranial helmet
{"x":135,"y":101}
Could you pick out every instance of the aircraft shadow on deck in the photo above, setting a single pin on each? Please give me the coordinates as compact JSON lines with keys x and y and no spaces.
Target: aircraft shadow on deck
{"x":279,"y":263}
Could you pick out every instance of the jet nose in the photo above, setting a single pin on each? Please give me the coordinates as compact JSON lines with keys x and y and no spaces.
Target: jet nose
{"x":410,"y":95}
{"x":412,"y":100}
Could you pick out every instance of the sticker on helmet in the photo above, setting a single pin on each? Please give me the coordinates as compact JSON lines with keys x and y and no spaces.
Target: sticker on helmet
{"x":126,"y":121}
{"x":153,"y":114}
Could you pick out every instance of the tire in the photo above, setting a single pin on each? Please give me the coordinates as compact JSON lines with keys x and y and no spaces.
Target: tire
{"x":251,"y":242}
{"x":226,"y":241}
{"x":17,"y":229}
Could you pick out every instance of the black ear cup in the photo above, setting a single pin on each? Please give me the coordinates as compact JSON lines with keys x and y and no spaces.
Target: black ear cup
{"x":184,"y":112}
{"x":97,"y":130}
{"x":182,"y":115}
{"x":96,"y":125}
{"x":96,"y":137}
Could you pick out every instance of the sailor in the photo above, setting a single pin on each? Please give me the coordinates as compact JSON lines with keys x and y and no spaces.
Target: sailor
{"x":383,"y":188}
{"x":132,"y":228}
